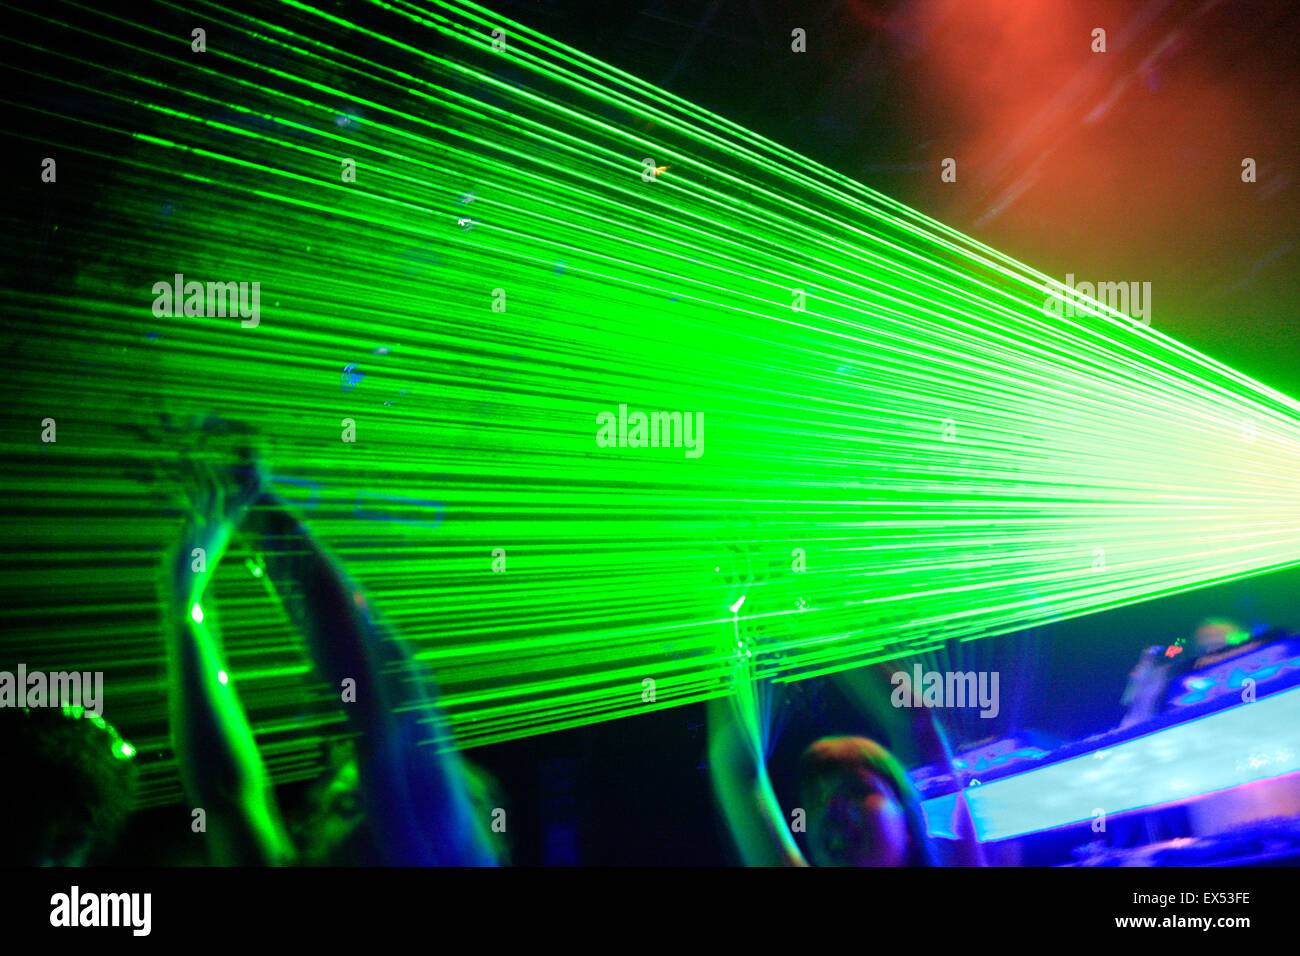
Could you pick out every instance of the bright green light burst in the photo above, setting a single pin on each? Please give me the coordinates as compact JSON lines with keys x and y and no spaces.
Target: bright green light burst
{"x":902,"y":445}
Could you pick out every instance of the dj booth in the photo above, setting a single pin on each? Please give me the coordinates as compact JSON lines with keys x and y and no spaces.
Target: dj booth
{"x":1219,"y":768}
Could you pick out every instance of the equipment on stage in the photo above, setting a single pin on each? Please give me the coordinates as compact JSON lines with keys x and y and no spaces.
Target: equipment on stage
{"x":1229,"y":735}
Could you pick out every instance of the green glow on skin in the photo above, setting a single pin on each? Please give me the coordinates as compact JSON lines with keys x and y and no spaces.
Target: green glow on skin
{"x":824,"y":428}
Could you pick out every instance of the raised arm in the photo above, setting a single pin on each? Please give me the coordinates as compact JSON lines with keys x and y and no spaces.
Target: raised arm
{"x":739,"y":772}
{"x":413,"y":781}
{"x":219,"y":764}
{"x":917,"y":738}
{"x":931,"y":745}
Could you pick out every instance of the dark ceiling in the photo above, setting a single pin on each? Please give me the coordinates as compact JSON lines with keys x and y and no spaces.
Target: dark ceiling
{"x":1117,"y":166}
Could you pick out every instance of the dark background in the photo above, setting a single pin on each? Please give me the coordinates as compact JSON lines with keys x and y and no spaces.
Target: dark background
{"x":1123,"y":166}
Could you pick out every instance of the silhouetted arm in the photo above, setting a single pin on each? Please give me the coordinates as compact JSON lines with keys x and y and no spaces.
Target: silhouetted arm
{"x":412,"y":779}
{"x":740,"y":780}
{"x":217,"y":755}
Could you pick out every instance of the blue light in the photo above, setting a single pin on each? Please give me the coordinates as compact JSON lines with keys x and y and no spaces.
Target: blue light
{"x":1248,"y":742}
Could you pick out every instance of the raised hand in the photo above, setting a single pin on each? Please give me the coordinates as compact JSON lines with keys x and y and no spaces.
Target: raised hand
{"x":208,"y":468}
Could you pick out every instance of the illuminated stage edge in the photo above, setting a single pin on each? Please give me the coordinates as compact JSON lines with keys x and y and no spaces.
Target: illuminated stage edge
{"x":1252,"y":741}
